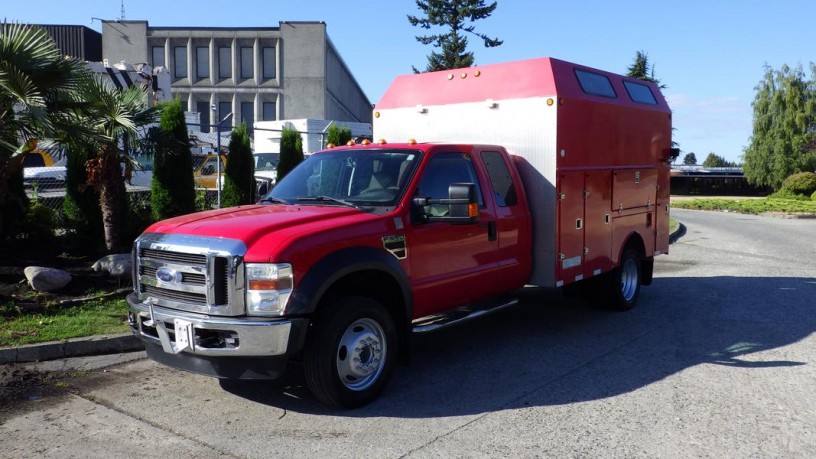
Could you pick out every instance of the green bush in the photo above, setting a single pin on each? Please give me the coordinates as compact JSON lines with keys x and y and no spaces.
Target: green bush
{"x":813,"y":196}
{"x":239,"y":177}
{"x":803,"y":183}
{"x":338,"y":136}
{"x":172,"y":191}
{"x":788,"y":195}
{"x":40,"y":223}
{"x":291,"y":152}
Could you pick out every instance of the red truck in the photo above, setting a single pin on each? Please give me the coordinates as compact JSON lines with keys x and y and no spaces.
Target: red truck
{"x":538,"y":172}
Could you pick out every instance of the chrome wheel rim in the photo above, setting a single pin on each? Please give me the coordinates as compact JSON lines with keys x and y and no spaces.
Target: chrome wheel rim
{"x":361,"y":354}
{"x":629,"y":279}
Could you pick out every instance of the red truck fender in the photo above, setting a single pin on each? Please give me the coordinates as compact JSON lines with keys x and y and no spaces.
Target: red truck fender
{"x":358,"y":271}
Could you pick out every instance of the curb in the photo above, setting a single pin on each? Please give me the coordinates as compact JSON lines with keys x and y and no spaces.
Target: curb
{"x":75,"y":347}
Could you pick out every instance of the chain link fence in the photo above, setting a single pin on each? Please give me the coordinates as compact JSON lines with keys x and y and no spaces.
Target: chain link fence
{"x":46,"y":185}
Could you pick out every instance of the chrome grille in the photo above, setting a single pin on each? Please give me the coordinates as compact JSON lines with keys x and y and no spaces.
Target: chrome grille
{"x":191,"y":273}
{"x":174,"y":257}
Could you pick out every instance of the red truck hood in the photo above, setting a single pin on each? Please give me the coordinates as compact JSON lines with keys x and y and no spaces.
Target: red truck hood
{"x":249,"y":223}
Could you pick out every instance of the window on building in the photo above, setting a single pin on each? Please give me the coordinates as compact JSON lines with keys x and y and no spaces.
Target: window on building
{"x":202,"y":62}
{"x":640,"y":93}
{"x":248,"y":114}
{"x":595,"y":83}
{"x":247,"y":64}
{"x":180,"y":61}
{"x":224,"y":62}
{"x":158,"y":55}
{"x":224,"y":109}
{"x":269,"y":63}
{"x":269,"y":111}
{"x":500,"y":178}
{"x":203,"y":109}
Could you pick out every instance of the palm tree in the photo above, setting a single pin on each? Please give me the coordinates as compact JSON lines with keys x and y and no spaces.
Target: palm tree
{"x":115,"y":117}
{"x":35,"y":79}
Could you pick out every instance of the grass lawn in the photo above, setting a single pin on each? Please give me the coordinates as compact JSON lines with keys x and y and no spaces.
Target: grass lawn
{"x":748,"y":206}
{"x":54,"y":323}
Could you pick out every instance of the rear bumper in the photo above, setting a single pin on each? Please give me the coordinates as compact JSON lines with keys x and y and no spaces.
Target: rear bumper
{"x":222,"y":347}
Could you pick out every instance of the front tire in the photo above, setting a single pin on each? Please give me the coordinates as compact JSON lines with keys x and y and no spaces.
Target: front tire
{"x":350,"y":351}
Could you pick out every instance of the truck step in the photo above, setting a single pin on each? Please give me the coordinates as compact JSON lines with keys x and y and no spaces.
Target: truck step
{"x":436,"y":321}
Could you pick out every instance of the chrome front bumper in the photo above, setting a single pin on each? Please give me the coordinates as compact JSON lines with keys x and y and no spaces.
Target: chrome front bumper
{"x":208,"y":335}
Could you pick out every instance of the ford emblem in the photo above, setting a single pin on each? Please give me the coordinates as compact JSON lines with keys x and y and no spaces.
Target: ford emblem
{"x":167,"y":275}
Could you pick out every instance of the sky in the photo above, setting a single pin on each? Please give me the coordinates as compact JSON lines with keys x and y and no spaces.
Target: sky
{"x":710,"y":54}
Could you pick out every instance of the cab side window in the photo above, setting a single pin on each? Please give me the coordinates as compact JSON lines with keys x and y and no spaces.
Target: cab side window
{"x":443,"y":170}
{"x":500,"y":178}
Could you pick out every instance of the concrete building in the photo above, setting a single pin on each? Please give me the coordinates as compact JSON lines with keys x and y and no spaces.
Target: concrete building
{"x":256,"y":73}
{"x":76,"y":41}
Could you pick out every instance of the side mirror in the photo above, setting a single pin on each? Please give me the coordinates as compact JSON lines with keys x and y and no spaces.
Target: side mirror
{"x":461,"y":206}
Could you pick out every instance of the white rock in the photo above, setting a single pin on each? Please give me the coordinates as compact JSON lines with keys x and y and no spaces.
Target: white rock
{"x":117,"y":265}
{"x":46,"y":279}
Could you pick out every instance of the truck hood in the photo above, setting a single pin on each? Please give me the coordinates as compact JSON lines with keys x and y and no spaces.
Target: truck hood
{"x":249,"y":223}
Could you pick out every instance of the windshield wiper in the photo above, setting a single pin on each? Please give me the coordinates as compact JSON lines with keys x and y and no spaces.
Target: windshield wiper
{"x":328,"y":199}
{"x":274,"y":200}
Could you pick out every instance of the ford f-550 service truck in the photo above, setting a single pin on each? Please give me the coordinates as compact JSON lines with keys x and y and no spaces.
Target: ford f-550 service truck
{"x":539,"y":172}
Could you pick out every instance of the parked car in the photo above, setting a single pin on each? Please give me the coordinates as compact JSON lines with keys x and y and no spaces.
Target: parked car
{"x":206,"y":168}
{"x":40,"y":171}
{"x":266,"y":172}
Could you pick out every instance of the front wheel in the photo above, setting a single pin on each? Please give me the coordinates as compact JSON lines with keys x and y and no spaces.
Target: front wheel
{"x":350,"y":351}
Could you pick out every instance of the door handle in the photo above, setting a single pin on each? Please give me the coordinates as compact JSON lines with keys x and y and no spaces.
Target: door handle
{"x":492,"y":233}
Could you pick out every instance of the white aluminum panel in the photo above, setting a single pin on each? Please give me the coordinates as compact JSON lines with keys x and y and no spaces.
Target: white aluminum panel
{"x":524,"y":127}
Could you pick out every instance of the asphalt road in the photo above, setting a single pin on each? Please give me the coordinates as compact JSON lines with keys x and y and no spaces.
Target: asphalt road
{"x":717,"y":360}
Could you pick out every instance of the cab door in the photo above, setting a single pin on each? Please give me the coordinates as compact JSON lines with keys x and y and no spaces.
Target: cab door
{"x":451,"y":264}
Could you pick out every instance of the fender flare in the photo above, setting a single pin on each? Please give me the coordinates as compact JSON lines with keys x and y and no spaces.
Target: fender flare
{"x":326,"y":272}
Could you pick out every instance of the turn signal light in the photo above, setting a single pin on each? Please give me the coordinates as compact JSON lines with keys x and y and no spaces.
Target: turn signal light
{"x":473,"y":210}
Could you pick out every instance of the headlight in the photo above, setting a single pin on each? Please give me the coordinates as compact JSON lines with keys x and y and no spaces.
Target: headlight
{"x":268,"y":288}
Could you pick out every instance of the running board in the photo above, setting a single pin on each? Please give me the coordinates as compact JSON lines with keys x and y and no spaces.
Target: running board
{"x":436,"y":321}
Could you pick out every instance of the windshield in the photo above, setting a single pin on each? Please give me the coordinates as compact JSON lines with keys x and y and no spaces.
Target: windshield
{"x":266,"y":161}
{"x":359,"y":177}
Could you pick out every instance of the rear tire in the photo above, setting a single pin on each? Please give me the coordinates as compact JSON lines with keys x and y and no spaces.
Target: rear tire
{"x":623,"y":284}
{"x":350,"y":352}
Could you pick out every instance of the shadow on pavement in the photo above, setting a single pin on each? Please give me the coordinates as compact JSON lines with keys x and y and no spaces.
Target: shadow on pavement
{"x":553,"y":351}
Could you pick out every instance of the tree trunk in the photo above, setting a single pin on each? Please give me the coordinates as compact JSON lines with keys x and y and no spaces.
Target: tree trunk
{"x":106,"y":177}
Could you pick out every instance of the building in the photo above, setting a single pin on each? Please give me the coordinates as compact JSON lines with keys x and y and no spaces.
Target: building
{"x":255,"y":73}
{"x":76,"y":41}
{"x":713,"y":181}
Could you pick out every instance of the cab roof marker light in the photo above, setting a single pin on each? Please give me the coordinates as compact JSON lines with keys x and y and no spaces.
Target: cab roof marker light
{"x":350,"y":143}
{"x":366,"y":142}
{"x":382,"y":142}
{"x":412,"y":142}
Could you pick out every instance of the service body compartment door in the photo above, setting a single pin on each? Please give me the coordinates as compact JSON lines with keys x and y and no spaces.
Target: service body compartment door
{"x":571,"y":224}
{"x":598,"y":232}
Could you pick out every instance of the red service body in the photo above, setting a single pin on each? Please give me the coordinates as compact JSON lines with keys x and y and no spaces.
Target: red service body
{"x":488,"y":179}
